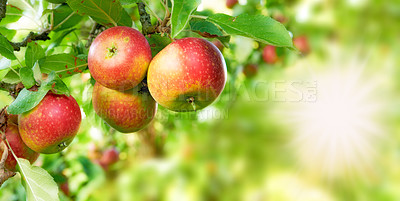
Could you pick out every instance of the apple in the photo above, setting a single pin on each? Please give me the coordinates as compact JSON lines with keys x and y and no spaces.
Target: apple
{"x":269,"y":54}
{"x":218,"y":44}
{"x":18,"y":146}
{"x":109,"y":157}
{"x":250,"y":70}
{"x":64,"y":187}
{"x":187,"y":75}
{"x":52,"y":125}
{"x":231,"y":3}
{"x":119,"y":57}
{"x":126,"y":111}
{"x":301,"y":43}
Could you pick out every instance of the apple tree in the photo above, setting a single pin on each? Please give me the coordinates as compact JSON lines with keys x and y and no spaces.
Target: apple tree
{"x":117,"y":66}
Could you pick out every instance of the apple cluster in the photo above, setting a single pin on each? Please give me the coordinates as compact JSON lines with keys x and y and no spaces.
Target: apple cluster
{"x":187,"y":75}
{"x":48,"y":128}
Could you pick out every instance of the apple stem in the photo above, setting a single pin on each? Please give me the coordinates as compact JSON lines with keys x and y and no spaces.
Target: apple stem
{"x":191,"y":101}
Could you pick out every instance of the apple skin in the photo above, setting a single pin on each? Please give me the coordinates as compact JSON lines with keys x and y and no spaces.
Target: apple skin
{"x":125,"y":68}
{"x":231,"y":3}
{"x":52,"y":125}
{"x":269,"y":54}
{"x":126,"y":111}
{"x":301,"y":43}
{"x":187,"y":75}
{"x":250,"y":70}
{"x":19,"y":148}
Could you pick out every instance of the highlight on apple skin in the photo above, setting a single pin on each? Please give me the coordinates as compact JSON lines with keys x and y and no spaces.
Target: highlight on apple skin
{"x":187,"y":75}
{"x":126,"y":111}
{"x":52,"y":125}
{"x":119,"y":57}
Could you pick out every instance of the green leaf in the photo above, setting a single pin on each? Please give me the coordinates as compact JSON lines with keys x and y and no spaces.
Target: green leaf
{"x":37,"y":74}
{"x":106,"y":12}
{"x":205,"y":28}
{"x":157,"y":43}
{"x":11,"y":77}
{"x":5,"y":63}
{"x":64,"y":65}
{"x":33,"y":53}
{"x":58,"y":38}
{"x":181,"y":11}
{"x":26,"y":75}
{"x":27,"y":100}
{"x":8,"y":33}
{"x":61,"y":13}
{"x":129,"y":2}
{"x":6,"y":49}
{"x":13,"y":14}
{"x":38,"y":183}
{"x":258,"y":27}
{"x":224,"y":40}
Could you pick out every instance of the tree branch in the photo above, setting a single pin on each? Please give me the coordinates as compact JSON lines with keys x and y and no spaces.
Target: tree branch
{"x":13,"y":89}
{"x":96,"y":30}
{"x":31,"y":37}
{"x":147,"y":27}
{"x":3,"y":8}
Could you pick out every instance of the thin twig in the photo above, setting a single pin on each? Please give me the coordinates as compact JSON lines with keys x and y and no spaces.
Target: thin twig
{"x":31,"y":37}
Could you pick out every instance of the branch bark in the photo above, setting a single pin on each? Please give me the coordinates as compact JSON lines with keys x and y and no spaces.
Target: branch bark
{"x":147,"y":27}
{"x":13,"y":89}
{"x":3,"y":8}
{"x":31,"y":37}
{"x":96,"y":30}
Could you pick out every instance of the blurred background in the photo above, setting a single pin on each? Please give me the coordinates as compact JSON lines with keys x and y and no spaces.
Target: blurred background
{"x":320,"y":124}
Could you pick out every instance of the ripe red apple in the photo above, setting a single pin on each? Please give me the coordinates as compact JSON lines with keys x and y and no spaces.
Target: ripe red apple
{"x":126,"y":111}
{"x":119,"y":57}
{"x":187,"y":75}
{"x":269,"y":54}
{"x":109,"y":157}
{"x":301,"y":43}
{"x":52,"y":125}
{"x":231,"y":3}
{"x":250,"y":70}
{"x":18,"y":146}
{"x":218,"y":44}
{"x":64,"y":187}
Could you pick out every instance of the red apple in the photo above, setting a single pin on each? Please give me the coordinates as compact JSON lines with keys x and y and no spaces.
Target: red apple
{"x":109,"y":157}
{"x":187,"y":75}
{"x":52,"y":125}
{"x":119,"y":57}
{"x":126,"y":111}
{"x":301,"y":43}
{"x":269,"y":54}
{"x":250,"y":70}
{"x":18,"y":146}
{"x":231,"y":3}
{"x":64,"y":187}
